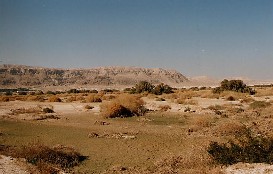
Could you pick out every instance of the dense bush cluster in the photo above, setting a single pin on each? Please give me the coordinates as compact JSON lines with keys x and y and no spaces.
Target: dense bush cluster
{"x":248,"y":149}
{"x":234,"y":85}
{"x":123,"y":106}
{"x":145,"y":86}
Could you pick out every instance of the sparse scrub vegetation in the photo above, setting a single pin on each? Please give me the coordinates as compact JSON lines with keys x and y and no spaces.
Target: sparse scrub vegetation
{"x":248,"y":149}
{"x":230,"y":128}
{"x":48,"y":160}
{"x":259,"y":104}
{"x":202,"y":121}
{"x":264,"y":91}
{"x":184,"y":130}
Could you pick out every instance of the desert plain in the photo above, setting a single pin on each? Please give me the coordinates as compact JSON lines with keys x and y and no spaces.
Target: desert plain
{"x":172,"y":135}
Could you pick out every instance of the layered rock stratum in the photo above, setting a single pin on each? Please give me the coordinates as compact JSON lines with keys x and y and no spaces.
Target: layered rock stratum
{"x":30,"y":76}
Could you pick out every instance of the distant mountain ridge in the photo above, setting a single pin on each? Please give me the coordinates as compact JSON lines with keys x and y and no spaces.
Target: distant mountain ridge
{"x":30,"y":76}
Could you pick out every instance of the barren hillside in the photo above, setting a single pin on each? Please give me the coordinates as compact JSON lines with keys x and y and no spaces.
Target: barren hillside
{"x":27,"y":76}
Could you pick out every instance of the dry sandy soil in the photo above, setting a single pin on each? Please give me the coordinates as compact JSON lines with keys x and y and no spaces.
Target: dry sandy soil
{"x":127,"y":144}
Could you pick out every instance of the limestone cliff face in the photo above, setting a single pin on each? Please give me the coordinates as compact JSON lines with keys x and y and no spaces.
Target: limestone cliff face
{"x":19,"y":75}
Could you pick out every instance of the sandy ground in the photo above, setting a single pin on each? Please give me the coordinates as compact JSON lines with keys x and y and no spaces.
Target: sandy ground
{"x":10,"y":165}
{"x":245,"y":168}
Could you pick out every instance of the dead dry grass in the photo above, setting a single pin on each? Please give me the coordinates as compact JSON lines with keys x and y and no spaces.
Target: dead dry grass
{"x":93,"y":98}
{"x":266,"y":91}
{"x":229,"y":127}
{"x":198,"y":122}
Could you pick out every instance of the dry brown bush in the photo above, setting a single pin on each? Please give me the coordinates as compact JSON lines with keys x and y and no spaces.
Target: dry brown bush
{"x":88,"y":107}
{"x":192,"y":161}
{"x":247,"y":100}
{"x":216,"y":107}
{"x":230,"y":98}
{"x":108,"y":97}
{"x":48,"y":160}
{"x":132,"y":102}
{"x":4,"y":99}
{"x":171,"y":96}
{"x":71,"y":99}
{"x":235,"y":95}
{"x":123,"y":106}
{"x":113,"y":110}
{"x":188,"y":94}
{"x":93,"y":98}
{"x":75,"y":97}
{"x":54,"y":98}
{"x":259,"y":104}
{"x":164,"y":107}
{"x":201,"y":121}
{"x":180,"y":101}
{"x":20,"y":98}
{"x":230,"y":128}
{"x":35,"y":98}
{"x":208,"y":94}
{"x":36,"y":110}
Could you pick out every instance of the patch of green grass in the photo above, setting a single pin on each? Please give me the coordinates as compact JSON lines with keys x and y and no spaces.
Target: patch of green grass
{"x":156,"y":119}
{"x":161,"y":120}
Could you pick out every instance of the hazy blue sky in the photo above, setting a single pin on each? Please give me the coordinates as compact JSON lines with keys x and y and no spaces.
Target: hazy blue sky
{"x":217,"y":38}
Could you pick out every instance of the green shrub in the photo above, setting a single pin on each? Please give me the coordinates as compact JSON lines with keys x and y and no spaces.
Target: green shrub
{"x":234,"y":85}
{"x":162,"y":88}
{"x":74,"y":91}
{"x":247,"y":149}
{"x":144,"y":86}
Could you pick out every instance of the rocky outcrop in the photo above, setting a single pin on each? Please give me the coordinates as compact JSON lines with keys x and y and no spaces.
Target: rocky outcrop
{"x":26,"y":76}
